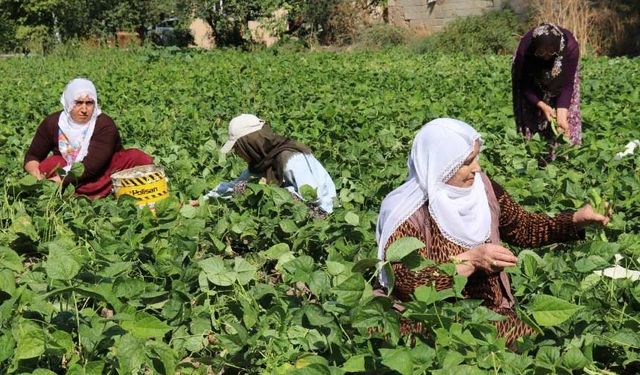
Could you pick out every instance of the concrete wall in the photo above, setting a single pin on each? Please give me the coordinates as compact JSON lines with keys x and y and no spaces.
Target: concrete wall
{"x":428,"y":16}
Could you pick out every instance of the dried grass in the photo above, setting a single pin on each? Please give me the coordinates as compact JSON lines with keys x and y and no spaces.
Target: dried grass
{"x":598,"y":29}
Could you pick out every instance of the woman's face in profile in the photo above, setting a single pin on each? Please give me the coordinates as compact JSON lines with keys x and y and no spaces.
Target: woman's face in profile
{"x":82,"y":110}
{"x":466,"y":174}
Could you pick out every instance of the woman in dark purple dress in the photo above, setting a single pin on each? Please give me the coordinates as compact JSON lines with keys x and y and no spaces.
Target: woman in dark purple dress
{"x":546,"y":84}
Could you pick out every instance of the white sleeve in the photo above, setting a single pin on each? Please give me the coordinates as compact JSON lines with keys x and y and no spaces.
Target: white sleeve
{"x":303,"y":170}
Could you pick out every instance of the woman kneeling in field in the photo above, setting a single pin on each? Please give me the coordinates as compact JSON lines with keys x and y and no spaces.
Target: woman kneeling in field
{"x":462,"y":215}
{"x":278,"y":159}
{"x":80,"y":133}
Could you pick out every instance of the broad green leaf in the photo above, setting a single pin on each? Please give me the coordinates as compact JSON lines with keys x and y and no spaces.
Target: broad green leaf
{"x":165,"y":354}
{"x":130,"y":353}
{"x":549,"y":311}
{"x":299,"y":269}
{"x":288,"y":226}
{"x":316,"y":316}
{"x":355,"y":363}
{"x":426,"y":294}
{"x":403,"y":247}
{"x":312,"y":369}
{"x":145,"y":326}
{"x":452,"y":359}
{"x":7,"y":346}
{"x":60,"y":264}
{"x":10,"y":259}
{"x":530,"y":261}
{"x":23,"y":224}
{"x":77,"y":169}
{"x":188,"y":211}
{"x":245,"y":271}
{"x":61,"y":340}
{"x":590,"y":281}
{"x":459,"y":283}
{"x":350,"y":291}
{"x":42,"y":371}
{"x":352,"y":219}
{"x":249,"y":315}
{"x":115,"y":269}
{"x":364,"y":265}
{"x":91,"y":368}
{"x":320,"y":283}
{"x":548,"y":355}
{"x":574,"y":359}
{"x":276,"y":251}
{"x":30,"y":342}
{"x":335,"y":268}
{"x":625,"y":337}
{"x":27,"y":181}
{"x":216,"y":271}
{"x":7,"y":282}
{"x":308,"y":193}
{"x":590,"y":263}
{"x":398,"y":359}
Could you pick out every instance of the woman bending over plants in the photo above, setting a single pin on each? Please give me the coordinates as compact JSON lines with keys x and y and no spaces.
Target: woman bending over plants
{"x":546,"y":85}
{"x":80,"y":133}
{"x":462,"y":215}
{"x":277,"y":159}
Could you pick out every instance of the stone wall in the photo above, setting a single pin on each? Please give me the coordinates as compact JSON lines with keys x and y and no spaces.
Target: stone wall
{"x":428,"y":16}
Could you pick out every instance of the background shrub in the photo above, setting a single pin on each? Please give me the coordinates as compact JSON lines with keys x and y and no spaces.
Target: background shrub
{"x":492,"y":32}
{"x":380,"y":36}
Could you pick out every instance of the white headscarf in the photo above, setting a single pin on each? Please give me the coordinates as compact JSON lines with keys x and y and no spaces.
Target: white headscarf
{"x":74,"y":145}
{"x":462,"y":214}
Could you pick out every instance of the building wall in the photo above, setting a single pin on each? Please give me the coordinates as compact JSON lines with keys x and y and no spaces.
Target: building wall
{"x":428,"y":16}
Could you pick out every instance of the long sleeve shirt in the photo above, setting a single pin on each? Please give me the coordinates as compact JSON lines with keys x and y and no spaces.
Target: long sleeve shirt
{"x":522,"y":63}
{"x":104,"y":142}
{"x":516,"y":226}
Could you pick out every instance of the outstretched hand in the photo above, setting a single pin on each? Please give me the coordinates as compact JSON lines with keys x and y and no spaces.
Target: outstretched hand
{"x":487,"y":257}
{"x":586,"y":216}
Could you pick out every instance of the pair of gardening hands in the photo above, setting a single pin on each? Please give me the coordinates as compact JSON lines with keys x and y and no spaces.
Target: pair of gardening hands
{"x":559,"y":114}
{"x":494,"y":258}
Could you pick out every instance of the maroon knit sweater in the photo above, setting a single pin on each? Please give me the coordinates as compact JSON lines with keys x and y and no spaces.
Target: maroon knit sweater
{"x":104,"y":142}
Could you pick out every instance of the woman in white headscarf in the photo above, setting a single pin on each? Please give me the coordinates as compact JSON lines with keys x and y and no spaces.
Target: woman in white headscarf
{"x":80,"y":133}
{"x":461,"y":215}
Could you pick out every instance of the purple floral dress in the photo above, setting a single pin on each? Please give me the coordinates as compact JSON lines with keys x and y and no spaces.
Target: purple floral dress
{"x":555,"y":82}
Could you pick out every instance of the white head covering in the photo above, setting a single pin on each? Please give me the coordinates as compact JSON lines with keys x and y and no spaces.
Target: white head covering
{"x":74,"y":140}
{"x":462,"y":214}
{"x":239,"y":127}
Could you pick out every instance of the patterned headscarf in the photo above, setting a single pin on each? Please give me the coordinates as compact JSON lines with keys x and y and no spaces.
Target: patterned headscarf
{"x":548,"y":37}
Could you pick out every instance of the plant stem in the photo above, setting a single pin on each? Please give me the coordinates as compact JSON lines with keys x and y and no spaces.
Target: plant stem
{"x":75,"y":304}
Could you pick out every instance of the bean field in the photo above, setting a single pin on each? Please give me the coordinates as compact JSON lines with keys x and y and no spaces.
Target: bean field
{"x":256,"y":284}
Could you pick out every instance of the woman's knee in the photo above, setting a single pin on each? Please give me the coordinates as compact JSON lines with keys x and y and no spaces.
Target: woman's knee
{"x":137,"y":157}
{"x":49,"y":165}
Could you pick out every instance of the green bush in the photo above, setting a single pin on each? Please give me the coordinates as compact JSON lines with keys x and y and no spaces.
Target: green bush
{"x":492,"y":32}
{"x":381,"y":36}
{"x":8,"y":42}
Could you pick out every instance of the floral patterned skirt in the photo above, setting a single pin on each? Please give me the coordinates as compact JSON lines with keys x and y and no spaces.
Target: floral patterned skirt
{"x":530,"y":119}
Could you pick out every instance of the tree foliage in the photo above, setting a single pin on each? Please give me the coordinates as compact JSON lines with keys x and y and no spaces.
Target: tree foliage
{"x":37,"y":24}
